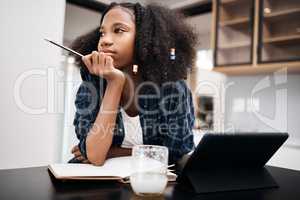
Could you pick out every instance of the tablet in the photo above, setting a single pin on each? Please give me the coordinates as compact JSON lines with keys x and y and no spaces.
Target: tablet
{"x":231,"y":161}
{"x":235,"y":150}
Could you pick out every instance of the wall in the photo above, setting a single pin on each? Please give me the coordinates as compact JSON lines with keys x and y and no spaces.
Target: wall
{"x":234,"y":92}
{"x":29,"y":139}
{"x":202,"y":26}
{"x":79,"y":21}
{"x":275,"y":107}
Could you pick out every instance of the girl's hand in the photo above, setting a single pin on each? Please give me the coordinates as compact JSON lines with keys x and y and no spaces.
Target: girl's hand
{"x":77,"y":154}
{"x":102,"y":65}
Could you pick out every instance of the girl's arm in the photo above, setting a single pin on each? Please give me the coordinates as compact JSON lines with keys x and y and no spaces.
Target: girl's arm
{"x":99,"y":139}
{"x":112,"y":153}
{"x":118,"y":151}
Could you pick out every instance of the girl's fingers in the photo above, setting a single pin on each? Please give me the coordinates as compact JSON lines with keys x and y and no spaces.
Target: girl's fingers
{"x":109,"y":61}
{"x":80,"y":158}
{"x":75,"y":148}
{"x":95,"y":58}
{"x":77,"y":153}
{"x":98,"y":63}
{"x":102,"y":59}
{"x":87,"y":61}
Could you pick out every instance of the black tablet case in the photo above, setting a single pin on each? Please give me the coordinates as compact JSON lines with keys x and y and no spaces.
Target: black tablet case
{"x":231,"y":161}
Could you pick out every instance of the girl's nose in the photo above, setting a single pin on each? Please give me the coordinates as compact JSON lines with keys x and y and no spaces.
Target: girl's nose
{"x":106,"y":41}
{"x":106,"y":44}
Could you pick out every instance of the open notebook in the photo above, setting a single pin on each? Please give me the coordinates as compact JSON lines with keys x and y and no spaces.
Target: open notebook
{"x":113,"y":169}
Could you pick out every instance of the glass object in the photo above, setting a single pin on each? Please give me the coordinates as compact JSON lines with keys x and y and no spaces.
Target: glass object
{"x":150,"y":165}
{"x":234,"y":32}
{"x":279,"y":33}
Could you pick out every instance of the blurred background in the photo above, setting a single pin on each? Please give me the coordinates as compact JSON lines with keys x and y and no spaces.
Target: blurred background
{"x":246,"y":78}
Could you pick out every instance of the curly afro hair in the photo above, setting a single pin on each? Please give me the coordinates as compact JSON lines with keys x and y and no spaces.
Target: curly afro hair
{"x":158,"y":30}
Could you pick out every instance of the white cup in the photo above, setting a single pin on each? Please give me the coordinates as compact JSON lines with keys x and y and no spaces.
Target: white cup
{"x":150,"y":165}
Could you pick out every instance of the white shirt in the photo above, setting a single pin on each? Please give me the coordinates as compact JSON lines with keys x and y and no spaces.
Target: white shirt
{"x":133,"y":130}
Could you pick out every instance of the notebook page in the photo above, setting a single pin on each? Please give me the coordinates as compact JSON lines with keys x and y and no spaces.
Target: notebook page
{"x":120,"y":166}
{"x":117,"y":167}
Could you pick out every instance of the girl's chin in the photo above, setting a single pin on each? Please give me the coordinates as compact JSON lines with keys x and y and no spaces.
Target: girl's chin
{"x":111,"y":54}
{"x":117,"y":65}
{"x":122,"y":68}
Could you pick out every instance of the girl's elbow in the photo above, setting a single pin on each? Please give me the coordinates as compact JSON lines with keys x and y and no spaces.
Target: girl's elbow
{"x":95,"y":158}
{"x":98,"y":163}
{"x":96,"y":155}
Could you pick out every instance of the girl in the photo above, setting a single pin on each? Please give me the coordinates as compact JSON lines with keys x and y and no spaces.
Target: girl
{"x":133,"y":90}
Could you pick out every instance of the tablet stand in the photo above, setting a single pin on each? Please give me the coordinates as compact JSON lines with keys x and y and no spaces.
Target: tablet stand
{"x":221,"y":180}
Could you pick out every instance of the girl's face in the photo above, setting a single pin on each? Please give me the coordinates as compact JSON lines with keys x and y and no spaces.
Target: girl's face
{"x":118,"y":36}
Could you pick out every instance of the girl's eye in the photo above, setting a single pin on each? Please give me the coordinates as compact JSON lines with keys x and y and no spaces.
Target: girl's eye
{"x":119,"y":30}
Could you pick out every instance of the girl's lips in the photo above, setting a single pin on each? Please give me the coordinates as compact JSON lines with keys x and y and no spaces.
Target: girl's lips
{"x":107,"y":51}
{"x":110,"y":54}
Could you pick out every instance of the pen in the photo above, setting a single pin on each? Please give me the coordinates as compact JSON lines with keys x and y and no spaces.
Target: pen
{"x":65,"y":48}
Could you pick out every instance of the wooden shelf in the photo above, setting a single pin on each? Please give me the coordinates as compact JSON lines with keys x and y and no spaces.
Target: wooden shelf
{"x":227,"y":2}
{"x":281,"y":39}
{"x":282,"y":13}
{"x":280,"y":43}
{"x":292,"y":67}
{"x":235,"y":45}
{"x":242,"y":20}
